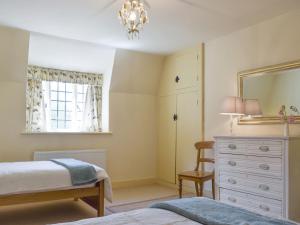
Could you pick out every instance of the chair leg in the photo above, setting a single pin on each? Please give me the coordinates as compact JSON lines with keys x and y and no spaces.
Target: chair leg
{"x":213,"y":188}
{"x":197,"y":189}
{"x":180,"y":187}
{"x":201,"y":184}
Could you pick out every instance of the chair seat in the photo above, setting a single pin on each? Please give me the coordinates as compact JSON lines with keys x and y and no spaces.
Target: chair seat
{"x":196,"y":174}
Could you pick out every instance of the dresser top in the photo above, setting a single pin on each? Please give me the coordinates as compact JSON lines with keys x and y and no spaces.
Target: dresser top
{"x":257,"y":137}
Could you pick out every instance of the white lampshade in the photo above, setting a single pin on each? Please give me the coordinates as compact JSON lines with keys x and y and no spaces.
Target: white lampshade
{"x":252,"y":107}
{"x":233,"y":106}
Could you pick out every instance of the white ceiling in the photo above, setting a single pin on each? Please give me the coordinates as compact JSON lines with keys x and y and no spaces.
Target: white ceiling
{"x":174,"y":24}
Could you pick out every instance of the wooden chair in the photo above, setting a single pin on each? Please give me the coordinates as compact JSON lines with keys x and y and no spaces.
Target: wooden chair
{"x":198,"y":176}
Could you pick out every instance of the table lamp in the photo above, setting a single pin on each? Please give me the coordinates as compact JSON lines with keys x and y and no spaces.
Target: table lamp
{"x":232,"y":106}
{"x":252,"y":107}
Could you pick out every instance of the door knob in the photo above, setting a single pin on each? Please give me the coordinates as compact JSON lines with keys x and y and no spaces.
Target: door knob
{"x":175,"y":117}
{"x":177,"y":79}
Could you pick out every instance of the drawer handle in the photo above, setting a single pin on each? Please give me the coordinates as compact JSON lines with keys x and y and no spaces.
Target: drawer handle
{"x":264,"y":167}
{"x":232,"y":146}
{"x":231,"y":199}
{"x":264,"y":148}
{"x":264,"y":187}
{"x":264,"y":208}
{"x":231,"y":163}
{"x":231,"y":181}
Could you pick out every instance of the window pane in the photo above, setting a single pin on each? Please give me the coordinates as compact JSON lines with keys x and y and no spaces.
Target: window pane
{"x":79,"y":116}
{"x":79,"y":88}
{"x":79,"y":107}
{"x":53,"y":86}
{"x":68,"y":116}
{"x":61,"y":86}
{"x":54,"y":124}
{"x":53,"y":95}
{"x":62,"y":106}
{"x":80,"y":98}
{"x":85,"y":88}
{"x":61,"y":96}
{"x":69,"y":107}
{"x":68,"y":124}
{"x":61,"y":125}
{"x":69,"y":87}
{"x":69,"y":97}
{"x":61,"y":115}
{"x":54,"y":105}
{"x":54,"y":115}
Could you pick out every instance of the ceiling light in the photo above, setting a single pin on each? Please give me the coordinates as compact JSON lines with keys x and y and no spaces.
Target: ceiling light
{"x":133,"y":16}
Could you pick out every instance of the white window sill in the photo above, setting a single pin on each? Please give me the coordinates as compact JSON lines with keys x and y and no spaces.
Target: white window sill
{"x":72,"y":133}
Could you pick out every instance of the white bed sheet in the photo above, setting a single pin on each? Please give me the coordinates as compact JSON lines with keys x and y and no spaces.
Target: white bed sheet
{"x":138,"y":217}
{"x":41,"y":176}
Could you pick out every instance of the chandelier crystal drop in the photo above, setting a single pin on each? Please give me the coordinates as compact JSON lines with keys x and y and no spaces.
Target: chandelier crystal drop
{"x":133,"y":16}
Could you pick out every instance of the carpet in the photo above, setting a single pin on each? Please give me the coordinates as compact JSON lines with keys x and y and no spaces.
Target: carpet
{"x":139,"y":205}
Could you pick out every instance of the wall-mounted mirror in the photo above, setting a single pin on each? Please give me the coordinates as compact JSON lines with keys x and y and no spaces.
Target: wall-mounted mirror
{"x":272,"y":86}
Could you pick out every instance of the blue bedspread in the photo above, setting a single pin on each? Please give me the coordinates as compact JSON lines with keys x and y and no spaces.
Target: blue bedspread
{"x":210,"y":212}
{"x":81,"y":172}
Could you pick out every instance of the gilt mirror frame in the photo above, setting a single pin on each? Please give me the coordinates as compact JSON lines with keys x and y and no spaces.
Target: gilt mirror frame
{"x":258,"y":72}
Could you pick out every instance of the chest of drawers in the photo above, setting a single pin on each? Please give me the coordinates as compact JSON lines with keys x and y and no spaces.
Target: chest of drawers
{"x":261,"y":174}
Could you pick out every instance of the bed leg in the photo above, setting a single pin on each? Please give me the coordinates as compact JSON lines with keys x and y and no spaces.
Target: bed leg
{"x":100,"y":212}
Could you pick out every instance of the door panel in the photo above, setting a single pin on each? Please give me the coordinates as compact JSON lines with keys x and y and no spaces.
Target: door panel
{"x":188,"y":130}
{"x":187,"y":69}
{"x":167,"y":139}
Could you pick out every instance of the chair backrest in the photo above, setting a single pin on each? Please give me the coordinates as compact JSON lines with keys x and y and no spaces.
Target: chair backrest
{"x":200,"y":147}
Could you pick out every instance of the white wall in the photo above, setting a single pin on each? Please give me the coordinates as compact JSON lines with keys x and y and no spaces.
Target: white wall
{"x":132,"y":145}
{"x":136,"y":72}
{"x":272,"y":42}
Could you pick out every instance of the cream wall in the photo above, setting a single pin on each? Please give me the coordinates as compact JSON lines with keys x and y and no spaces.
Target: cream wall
{"x":271,"y":42}
{"x":131,"y":147}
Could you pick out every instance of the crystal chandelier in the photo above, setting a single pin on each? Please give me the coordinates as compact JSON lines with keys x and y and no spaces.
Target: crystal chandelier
{"x":133,"y":16}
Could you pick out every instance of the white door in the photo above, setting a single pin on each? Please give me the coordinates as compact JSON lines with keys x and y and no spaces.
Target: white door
{"x":188,"y":130}
{"x":167,"y":139}
{"x":188,"y":69}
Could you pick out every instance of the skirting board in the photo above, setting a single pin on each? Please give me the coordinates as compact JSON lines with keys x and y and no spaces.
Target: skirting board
{"x":149,"y":181}
{"x":133,"y":183}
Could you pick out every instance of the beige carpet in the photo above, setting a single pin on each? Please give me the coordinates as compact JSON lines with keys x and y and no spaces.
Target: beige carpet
{"x":139,"y":205}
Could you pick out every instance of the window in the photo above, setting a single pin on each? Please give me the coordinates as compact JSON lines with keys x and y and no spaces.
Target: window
{"x":65,"y":105}
{"x":63,"y":101}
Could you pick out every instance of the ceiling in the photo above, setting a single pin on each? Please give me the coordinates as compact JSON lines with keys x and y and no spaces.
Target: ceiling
{"x":174,"y":24}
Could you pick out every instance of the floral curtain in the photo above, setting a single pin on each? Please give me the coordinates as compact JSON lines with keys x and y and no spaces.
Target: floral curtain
{"x":35,"y":116}
{"x":92,"y":117}
{"x":35,"y":106}
{"x":46,"y":74}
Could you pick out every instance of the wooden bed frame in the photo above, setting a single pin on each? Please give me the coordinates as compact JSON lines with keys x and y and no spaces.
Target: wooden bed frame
{"x":94,"y":196}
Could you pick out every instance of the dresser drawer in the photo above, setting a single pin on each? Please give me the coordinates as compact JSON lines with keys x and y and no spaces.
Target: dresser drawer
{"x":265,"y":148}
{"x":230,"y":162}
{"x":265,"y":166}
{"x":264,"y":206}
{"x":232,"y":146}
{"x":267,"y":187}
{"x":233,"y":198}
{"x":251,"y":164}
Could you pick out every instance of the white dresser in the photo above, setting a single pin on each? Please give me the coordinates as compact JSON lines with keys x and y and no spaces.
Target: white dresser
{"x":261,"y":174}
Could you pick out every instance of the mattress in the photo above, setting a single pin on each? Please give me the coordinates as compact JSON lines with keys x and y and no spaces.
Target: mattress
{"x":42,"y":176}
{"x":138,"y":217}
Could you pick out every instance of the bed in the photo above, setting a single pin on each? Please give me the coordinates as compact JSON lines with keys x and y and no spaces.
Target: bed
{"x":191,"y":211}
{"x":28,"y":182}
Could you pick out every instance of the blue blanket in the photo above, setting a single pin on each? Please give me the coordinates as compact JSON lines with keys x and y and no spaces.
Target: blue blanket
{"x":210,"y":212}
{"x":81,"y":172}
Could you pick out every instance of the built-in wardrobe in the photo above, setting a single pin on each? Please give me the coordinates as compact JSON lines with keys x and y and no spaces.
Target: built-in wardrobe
{"x":180,"y":114}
